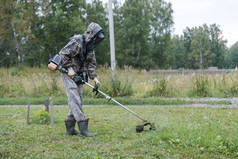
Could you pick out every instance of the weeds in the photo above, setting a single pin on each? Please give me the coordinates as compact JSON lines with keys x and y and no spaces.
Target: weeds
{"x":160,"y":88}
{"x":201,"y":86}
{"x":41,"y":117}
{"x":33,"y":82}
{"x":234,"y":90}
{"x":117,"y":87}
{"x":4,"y":90}
{"x":120,"y":89}
{"x":228,"y":85}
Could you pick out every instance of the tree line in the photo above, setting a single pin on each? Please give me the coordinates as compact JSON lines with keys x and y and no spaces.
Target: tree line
{"x":32,"y":31}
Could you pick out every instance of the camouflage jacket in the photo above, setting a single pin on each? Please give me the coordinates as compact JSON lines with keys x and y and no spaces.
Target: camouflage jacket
{"x":72,"y":56}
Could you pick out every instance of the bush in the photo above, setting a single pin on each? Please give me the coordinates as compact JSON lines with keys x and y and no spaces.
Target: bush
{"x":4,"y":90}
{"x":11,"y":90}
{"x":117,"y":88}
{"x":160,"y":88}
{"x":41,"y":117}
{"x":201,"y":86}
{"x":233,"y":91}
{"x":120,"y":89}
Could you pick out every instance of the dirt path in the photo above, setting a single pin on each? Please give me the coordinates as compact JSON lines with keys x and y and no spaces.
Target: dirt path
{"x":234,"y":101}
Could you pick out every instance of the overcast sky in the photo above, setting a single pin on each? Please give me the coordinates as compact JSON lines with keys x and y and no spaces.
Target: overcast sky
{"x":197,"y":12}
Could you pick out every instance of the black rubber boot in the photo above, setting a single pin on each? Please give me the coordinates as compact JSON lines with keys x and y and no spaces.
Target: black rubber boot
{"x":83,"y":127}
{"x":70,"y":124}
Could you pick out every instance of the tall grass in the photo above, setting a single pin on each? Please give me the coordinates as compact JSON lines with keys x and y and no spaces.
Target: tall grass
{"x":160,"y":88}
{"x":35,"y":82}
{"x":119,"y":86}
{"x":29,"y":82}
{"x":201,"y":86}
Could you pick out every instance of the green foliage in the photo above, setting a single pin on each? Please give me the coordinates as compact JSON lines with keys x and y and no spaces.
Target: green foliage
{"x":118,"y":87}
{"x":61,"y":21}
{"x":33,"y":31}
{"x":4,"y":89}
{"x":234,"y":90}
{"x":33,"y":82}
{"x":10,"y":88}
{"x":176,"y":56}
{"x":160,"y":88}
{"x":161,"y":28}
{"x":55,"y":90}
{"x":17,"y":30}
{"x":230,"y":90}
{"x":41,"y":117}
{"x":203,"y":47}
{"x":39,"y":29}
{"x":201,"y":55}
{"x":232,"y":57}
{"x":115,"y":88}
{"x":201,"y":86}
{"x":227,"y":88}
{"x":144,"y":33}
{"x":96,"y":12}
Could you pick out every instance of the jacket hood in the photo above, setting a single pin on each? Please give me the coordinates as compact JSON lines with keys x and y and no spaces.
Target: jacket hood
{"x":92,"y":30}
{"x":93,"y":36}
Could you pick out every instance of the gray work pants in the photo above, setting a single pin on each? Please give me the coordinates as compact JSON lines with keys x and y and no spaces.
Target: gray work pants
{"x":74,"y":93}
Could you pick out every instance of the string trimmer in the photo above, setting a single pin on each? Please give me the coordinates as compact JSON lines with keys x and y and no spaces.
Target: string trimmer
{"x":139,"y":128}
{"x":79,"y":79}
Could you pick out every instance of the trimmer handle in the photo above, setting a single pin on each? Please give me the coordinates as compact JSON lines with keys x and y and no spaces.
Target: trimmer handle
{"x":62,"y":69}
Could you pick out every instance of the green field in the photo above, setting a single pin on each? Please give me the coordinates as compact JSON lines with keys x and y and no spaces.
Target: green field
{"x":181,"y":133}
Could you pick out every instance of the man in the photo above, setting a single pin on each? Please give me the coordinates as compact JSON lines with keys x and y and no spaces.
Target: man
{"x":79,"y":59}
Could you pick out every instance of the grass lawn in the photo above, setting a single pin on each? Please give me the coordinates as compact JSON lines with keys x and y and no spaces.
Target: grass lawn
{"x":181,"y":133}
{"x":99,"y":101}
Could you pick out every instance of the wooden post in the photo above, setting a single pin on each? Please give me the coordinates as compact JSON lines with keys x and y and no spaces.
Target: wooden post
{"x":28,"y":113}
{"x":51,"y":110}
{"x":47,"y":105}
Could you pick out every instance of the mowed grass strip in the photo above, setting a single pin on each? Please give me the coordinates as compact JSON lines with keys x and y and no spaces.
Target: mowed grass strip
{"x":103,"y":101}
{"x":181,"y":133}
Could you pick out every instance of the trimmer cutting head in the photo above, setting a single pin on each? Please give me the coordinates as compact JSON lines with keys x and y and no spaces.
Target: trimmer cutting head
{"x":140,"y":128}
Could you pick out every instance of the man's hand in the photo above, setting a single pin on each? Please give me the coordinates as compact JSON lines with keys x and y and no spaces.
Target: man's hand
{"x":96,"y":81}
{"x":71,"y":72}
{"x":52,"y":66}
{"x":97,"y":85}
{"x":78,"y":79}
